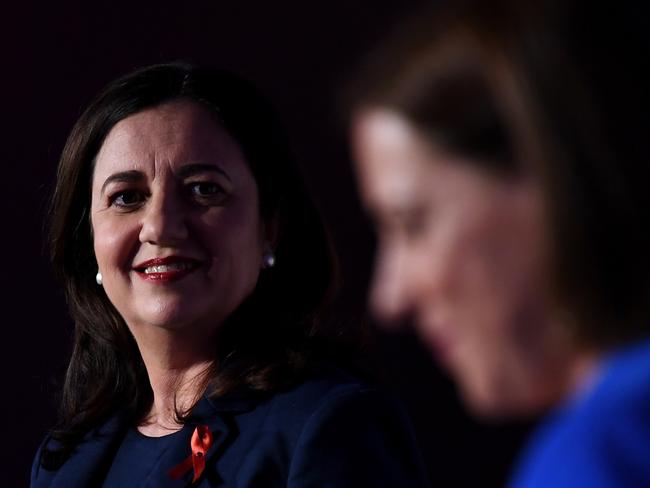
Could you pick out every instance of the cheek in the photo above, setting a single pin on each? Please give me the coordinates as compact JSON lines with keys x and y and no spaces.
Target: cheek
{"x":236,"y":226}
{"x":501,"y":313}
{"x":463,"y":290}
{"x":114,"y":243}
{"x":436,"y":261}
{"x":234,"y":236}
{"x":491,"y":259}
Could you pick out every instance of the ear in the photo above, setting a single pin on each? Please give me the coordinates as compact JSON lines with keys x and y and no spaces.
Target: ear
{"x":272,"y":230}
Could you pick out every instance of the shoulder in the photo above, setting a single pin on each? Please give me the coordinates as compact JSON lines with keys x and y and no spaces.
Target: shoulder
{"x":601,"y":437}
{"x":312,"y":401}
{"x":78,"y":467}
{"x":330,"y":430}
{"x":325,"y":389}
{"x":36,"y":470}
{"x":330,"y":396}
{"x":361,"y":432}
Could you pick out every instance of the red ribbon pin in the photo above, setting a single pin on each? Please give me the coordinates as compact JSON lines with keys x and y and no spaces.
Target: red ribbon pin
{"x":200,"y":444}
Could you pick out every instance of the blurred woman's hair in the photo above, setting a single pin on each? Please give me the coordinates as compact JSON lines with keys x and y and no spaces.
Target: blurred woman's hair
{"x":267,"y":343}
{"x":556,"y":90}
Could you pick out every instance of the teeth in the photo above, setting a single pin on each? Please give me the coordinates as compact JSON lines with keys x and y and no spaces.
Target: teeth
{"x":165,"y":268}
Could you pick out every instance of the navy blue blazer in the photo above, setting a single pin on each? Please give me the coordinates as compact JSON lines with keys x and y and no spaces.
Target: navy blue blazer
{"x":330,"y":431}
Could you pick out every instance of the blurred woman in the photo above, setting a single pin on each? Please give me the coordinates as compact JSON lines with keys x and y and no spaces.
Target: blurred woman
{"x":501,"y":151}
{"x":195,"y":267}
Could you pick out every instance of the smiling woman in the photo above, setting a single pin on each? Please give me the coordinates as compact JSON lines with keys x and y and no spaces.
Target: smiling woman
{"x":175,"y":221}
{"x":195,"y":358}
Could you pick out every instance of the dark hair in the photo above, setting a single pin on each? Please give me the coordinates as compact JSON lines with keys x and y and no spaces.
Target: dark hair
{"x":557,"y":89}
{"x":266,"y":344}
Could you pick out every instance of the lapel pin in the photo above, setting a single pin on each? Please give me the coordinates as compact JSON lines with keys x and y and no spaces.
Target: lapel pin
{"x":200,"y":444}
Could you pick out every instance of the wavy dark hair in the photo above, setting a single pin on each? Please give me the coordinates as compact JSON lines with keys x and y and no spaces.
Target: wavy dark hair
{"x":267,"y":343}
{"x":553,"y":88}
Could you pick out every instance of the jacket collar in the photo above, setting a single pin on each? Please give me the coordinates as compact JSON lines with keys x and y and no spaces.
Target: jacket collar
{"x":87,"y":459}
{"x":90,"y":460}
{"x":218,"y":414}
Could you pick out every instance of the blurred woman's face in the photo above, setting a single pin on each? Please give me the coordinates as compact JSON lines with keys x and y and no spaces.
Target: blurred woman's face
{"x":175,"y":217}
{"x":463,"y":251}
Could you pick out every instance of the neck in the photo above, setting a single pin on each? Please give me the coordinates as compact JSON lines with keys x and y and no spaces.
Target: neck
{"x":176,"y":364}
{"x":582,"y":373}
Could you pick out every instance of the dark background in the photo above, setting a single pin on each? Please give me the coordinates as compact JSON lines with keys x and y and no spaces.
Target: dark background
{"x":55,"y":57}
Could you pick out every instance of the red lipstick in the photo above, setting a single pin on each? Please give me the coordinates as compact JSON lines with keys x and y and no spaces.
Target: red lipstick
{"x":166,"y":269}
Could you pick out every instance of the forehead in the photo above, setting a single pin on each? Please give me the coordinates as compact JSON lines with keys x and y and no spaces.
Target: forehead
{"x":173,"y":133}
{"x":393,"y":162}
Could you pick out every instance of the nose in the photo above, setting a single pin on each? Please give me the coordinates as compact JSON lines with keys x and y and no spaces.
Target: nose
{"x":164,"y":222}
{"x":391,"y":294}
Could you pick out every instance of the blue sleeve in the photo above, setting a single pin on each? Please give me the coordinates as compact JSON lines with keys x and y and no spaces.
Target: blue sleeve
{"x":358,"y":438}
{"x":599,"y":451}
{"x":600,"y":438}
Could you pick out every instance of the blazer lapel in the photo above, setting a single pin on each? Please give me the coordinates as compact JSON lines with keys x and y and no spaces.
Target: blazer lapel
{"x":218,"y":415}
{"x":91,"y":457}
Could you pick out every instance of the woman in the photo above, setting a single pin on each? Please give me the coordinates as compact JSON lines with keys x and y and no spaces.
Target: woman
{"x":194,"y":265}
{"x":501,"y":149}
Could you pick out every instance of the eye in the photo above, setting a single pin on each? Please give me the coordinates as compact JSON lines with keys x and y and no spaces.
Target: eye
{"x":206,"y":191}
{"x":127,"y":199}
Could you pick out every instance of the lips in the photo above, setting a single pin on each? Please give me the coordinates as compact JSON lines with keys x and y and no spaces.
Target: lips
{"x":440,"y":346}
{"x":170,"y":268}
{"x":438,"y":335}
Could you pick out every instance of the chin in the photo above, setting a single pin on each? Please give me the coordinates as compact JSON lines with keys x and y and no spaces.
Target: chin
{"x":169,"y":314}
{"x":482,"y":406}
{"x":490,"y":401}
{"x":170,"y":323}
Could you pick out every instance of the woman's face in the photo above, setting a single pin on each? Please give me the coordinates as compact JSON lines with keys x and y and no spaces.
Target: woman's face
{"x":175,"y":217}
{"x":463,"y":252}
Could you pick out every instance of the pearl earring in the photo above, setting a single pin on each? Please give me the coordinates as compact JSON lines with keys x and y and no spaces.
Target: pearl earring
{"x":98,"y":278}
{"x":268,"y":261}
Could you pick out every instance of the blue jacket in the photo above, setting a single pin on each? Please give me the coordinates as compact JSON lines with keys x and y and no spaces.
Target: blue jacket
{"x":331,"y":431}
{"x":601,"y":437}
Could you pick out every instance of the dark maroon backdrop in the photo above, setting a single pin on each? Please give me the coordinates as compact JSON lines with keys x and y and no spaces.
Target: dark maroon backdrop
{"x":55,"y":57}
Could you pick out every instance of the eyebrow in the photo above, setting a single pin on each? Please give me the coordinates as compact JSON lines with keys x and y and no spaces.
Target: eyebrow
{"x":186,"y":171}
{"x":197,"y":168}
{"x":131,"y":176}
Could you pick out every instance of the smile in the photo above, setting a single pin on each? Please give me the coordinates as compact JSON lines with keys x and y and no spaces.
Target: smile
{"x":166,"y":269}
